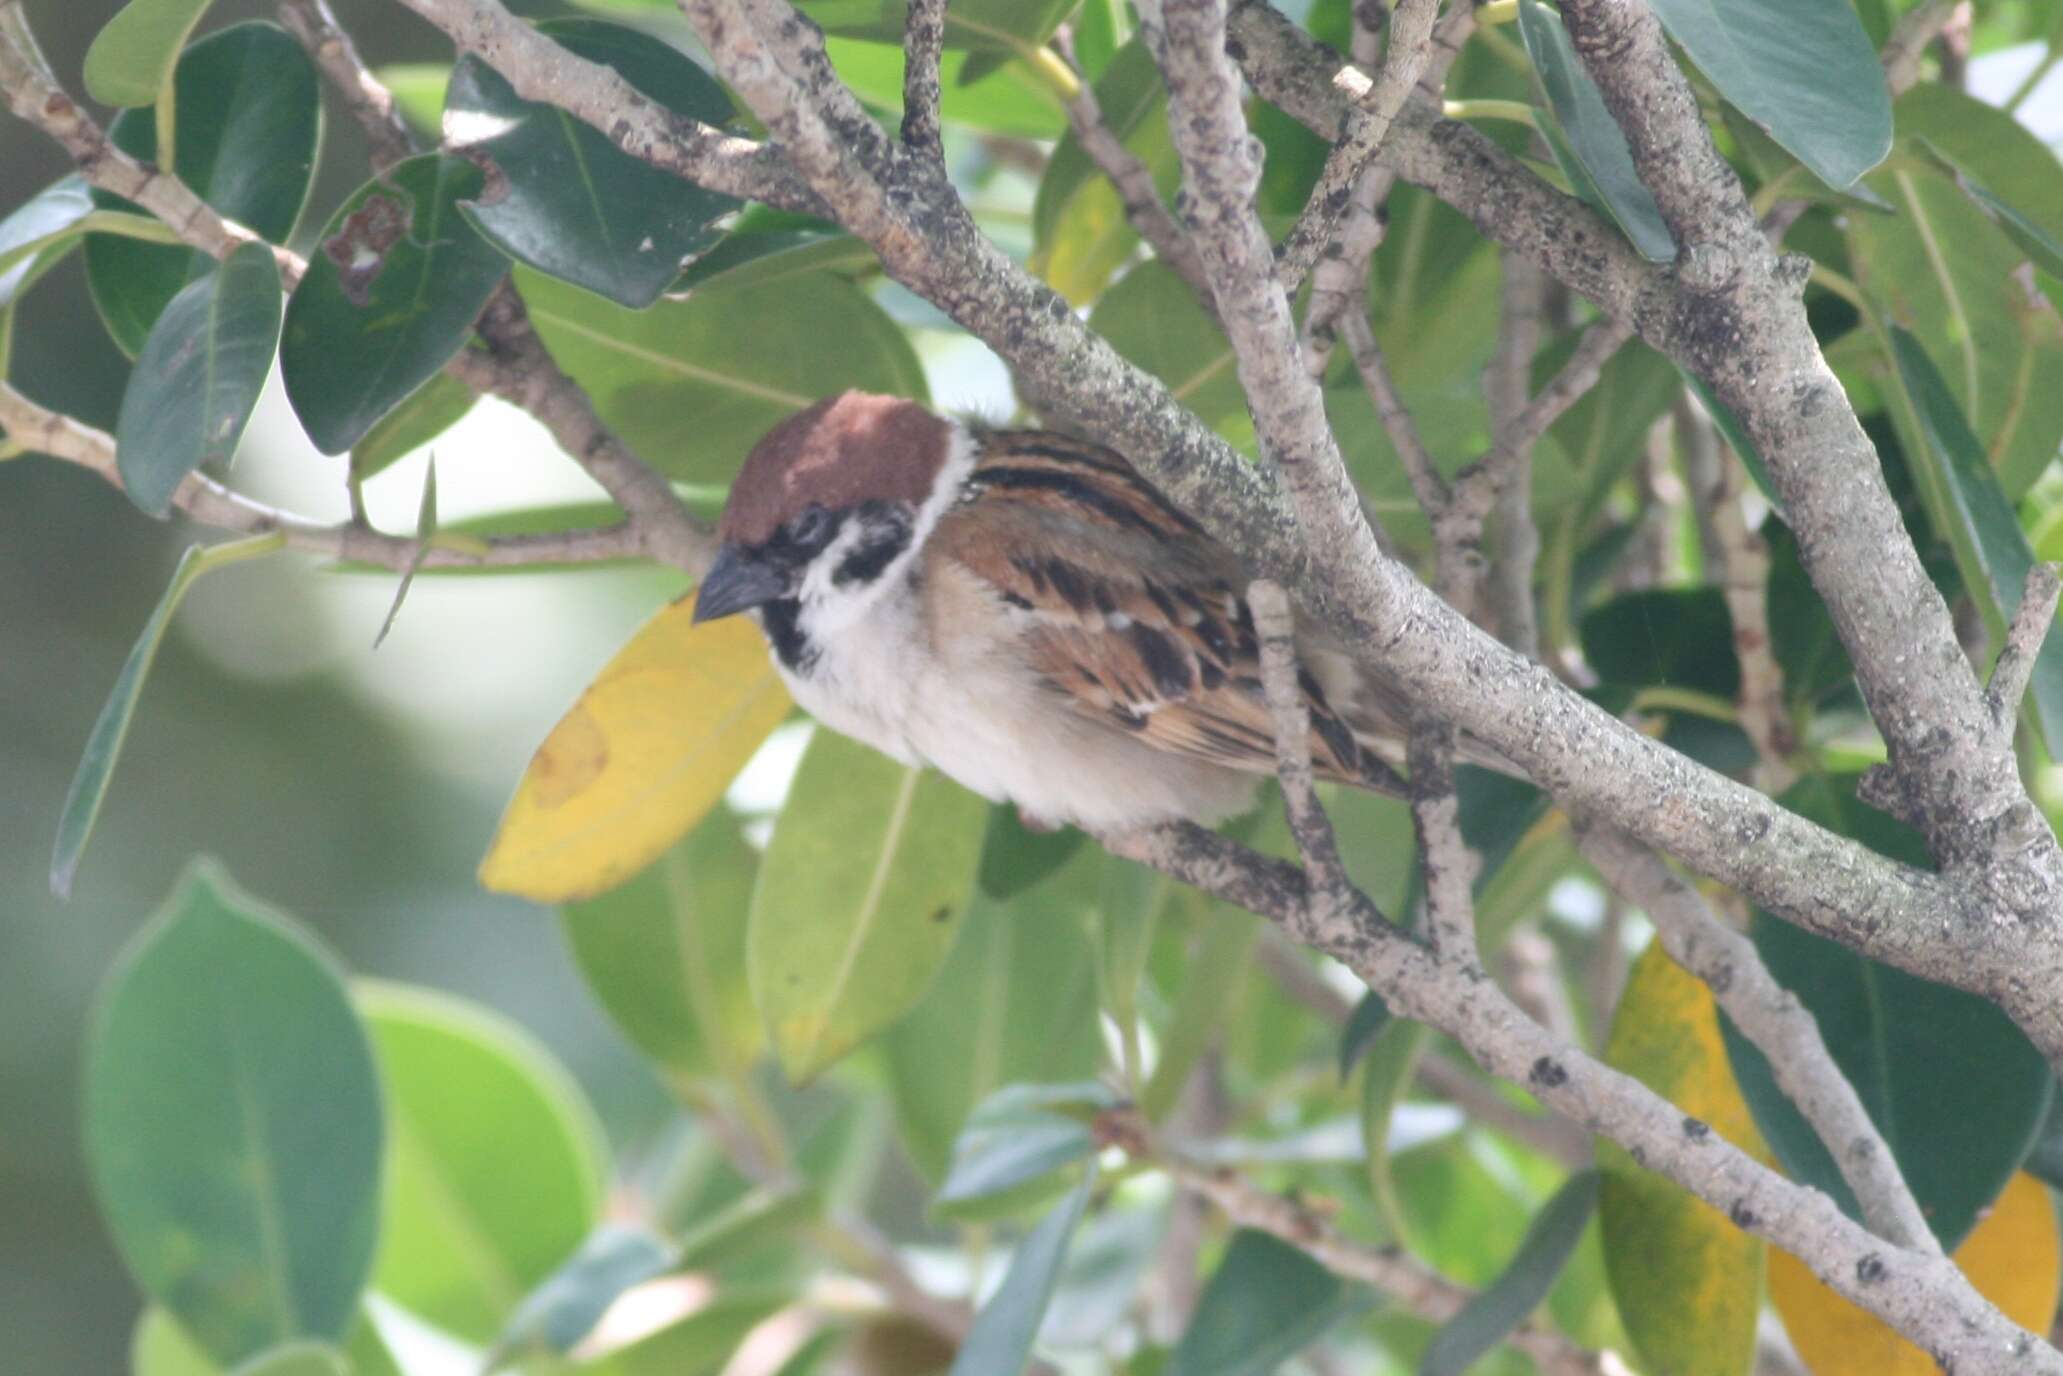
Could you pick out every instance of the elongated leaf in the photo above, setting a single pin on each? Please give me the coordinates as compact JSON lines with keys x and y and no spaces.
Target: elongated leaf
{"x":198,"y":378}
{"x":104,"y":743}
{"x":389,"y":297}
{"x":39,"y":221}
{"x":1491,"y":1316}
{"x":1595,"y":143}
{"x":1266,"y":1302}
{"x":1965,"y":503}
{"x":1957,"y":1091}
{"x":1021,"y":1133}
{"x":1212,"y":978}
{"x":1015,"y":1003}
{"x":1802,"y":69}
{"x":1990,"y":147}
{"x":639,"y":760}
{"x":428,"y":412}
{"x":870,"y":868}
{"x":480,"y":1115}
{"x":132,"y":57}
{"x":1151,"y":317}
{"x":249,"y":127}
{"x":1080,"y":234}
{"x":1129,"y":903}
{"x":2011,"y":1258}
{"x":1687,"y":1281}
{"x":570,"y":1301}
{"x":692,"y":385}
{"x":665,"y":953}
{"x":233,"y":1123}
{"x":764,"y":256}
{"x":568,"y":201}
{"x":1000,"y":1342}
{"x":1392,"y":1059}
{"x":1801,"y":633}
{"x":763,"y":1215}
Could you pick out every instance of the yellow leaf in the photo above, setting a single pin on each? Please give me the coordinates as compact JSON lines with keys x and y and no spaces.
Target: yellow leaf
{"x":2012,"y":1257}
{"x":1686,"y":1280}
{"x":641,"y":758}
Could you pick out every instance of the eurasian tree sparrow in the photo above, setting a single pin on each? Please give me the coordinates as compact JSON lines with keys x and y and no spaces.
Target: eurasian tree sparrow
{"x":1024,"y":612}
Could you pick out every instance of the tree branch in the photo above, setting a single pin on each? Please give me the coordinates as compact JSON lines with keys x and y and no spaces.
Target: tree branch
{"x":2030,"y":626}
{"x":924,"y":36}
{"x":1275,"y":624}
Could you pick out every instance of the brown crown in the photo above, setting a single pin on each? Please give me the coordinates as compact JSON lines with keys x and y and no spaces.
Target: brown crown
{"x":851,"y":448}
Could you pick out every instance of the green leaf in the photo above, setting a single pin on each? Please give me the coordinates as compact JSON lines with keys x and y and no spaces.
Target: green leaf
{"x":572,"y":1299}
{"x":1021,"y":1133}
{"x":1212,"y":978}
{"x":1015,"y":1003}
{"x":764,"y":1214}
{"x":1736,"y":436}
{"x":1965,"y":502}
{"x":233,"y":1123}
{"x":1015,"y":857}
{"x":568,"y":201}
{"x":1678,"y":637}
{"x":1006,"y":98}
{"x":698,"y":1345}
{"x":1080,"y":235}
{"x":50,"y":216}
{"x":1945,"y":272}
{"x":481,"y":1116}
{"x":692,"y":385}
{"x":1129,"y":903}
{"x":1801,"y":634}
{"x":1802,"y":69}
{"x":869,"y":870}
{"x":296,"y":1359}
{"x":418,"y":90}
{"x":1988,"y":146}
{"x":665,"y":953}
{"x":390,"y":296}
{"x":131,"y":58}
{"x":198,"y":378}
{"x":762,"y":256}
{"x":1011,"y":26}
{"x":1957,"y":1091}
{"x":1596,"y":156}
{"x":1370,"y":1016}
{"x":1491,"y":1316}
{"x":1392,"y":1058}
{"x":428,"y":412}
{"x":1266,"y":1302}
{"x":160,"y":1347}
{"x":1152,"y":318}
{"x":104,"y":743}
{"x":249,"y":127}
{"x":1000,"y":1341}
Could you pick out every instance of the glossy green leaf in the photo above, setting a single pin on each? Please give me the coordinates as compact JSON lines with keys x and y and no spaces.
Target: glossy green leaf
{"x":1596,"y":145}
{"x":480,"y":1115}
{"x":1015,"y":1003}
{"x":249,"y":126}
{"x":1965,"y":502}
{"x":1021,"y":1133}
{"x":198,"y":377}
{"x":51,"y":215}
{"x":764,"y":256}
{"x":871,"y":865}
{"x":665,"y":953}
{"x":1955,"y":1088}
{"x":104,"y":742}
{"x":1266,"y":1302}
{"x":1152,"y":318}
{"x":572,"y":1299}
{"x":233,"y":1123}
{"x":132,"y":57}
{"x":1001,"y":97}
{"x":1491,"y":1316}
{"x":1944,"y":271}
{"x":691,"y":385}
{"x":390,"y":296}
{"x":428,"y":412}
{"x":1080,"y":234}
{"x":1991,"y":148}
{"x":1000,"y":1341}
{"x":1802,"y":69}
{"x":568,"y":201}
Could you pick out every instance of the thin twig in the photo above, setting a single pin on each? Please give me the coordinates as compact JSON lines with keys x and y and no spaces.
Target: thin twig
{"x":370,"y":103}
{"x":1508,"y":469}
{"x":2024,"y":636}
{"x":924,"y":37}
{"x":1450,"y":866}
{"x":1771,"y":1017}
{"x":1275,"y":623}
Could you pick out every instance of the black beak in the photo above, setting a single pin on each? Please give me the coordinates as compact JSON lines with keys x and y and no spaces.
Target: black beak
{"x":736,"y":582}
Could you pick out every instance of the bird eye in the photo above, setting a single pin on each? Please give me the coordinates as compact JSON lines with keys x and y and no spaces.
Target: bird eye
{"x":812,"y":528}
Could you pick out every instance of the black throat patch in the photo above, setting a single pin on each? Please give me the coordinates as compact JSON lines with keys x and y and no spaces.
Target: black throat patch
{"x":781,"y":619}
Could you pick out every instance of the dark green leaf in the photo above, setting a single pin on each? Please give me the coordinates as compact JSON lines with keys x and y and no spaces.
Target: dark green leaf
{"x":1802,"y":69}
{"x":133,"y":54}
{"x":1152,"y":318}
{"x":571,"y":1300}
{"x":1019,"y":1134}
{"x":1736,"y":436}
{"x":1371,"y":1015}
{"x":1001,"y":1339}
{"x":1015,"y":857}
{"x":759,"y":257}
{"x":1266,"y":1302}
{"x":111,"y":727}
{"x":1801,"y":634}
{"x":569,"y":202}
{"x":1956,"y":1089}
{"x":2045,"y":1161}
{"x":429,"y":411}
{"x":390,"y":296}
{"x":1594,"y":138}
{"x":1965,"y":502}
{"x":1491,"y":1316}
{"x":233,"y":1123}
{"x":250,"y":122}
{"x":1679,"y":637}
{"x":198,"y":378}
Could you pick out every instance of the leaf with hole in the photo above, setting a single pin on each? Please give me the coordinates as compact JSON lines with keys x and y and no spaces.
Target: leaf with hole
{"x":567,"y":200}
{"x":198,"y":377}
{"x":249,"y":127}
{"x":870,"y":867}
{"x":233,"y":1123}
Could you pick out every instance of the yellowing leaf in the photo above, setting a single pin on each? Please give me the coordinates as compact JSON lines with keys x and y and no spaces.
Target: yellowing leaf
{"x":2012,"y":1257}
{"x":1687,"y":1281}
{"x":642,"y":757}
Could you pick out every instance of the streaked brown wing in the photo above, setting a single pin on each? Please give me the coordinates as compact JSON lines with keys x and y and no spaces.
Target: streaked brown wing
{"x":1131,"y":614}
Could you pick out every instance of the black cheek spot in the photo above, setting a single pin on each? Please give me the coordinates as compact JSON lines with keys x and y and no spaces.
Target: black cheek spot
{"x":781,"y":620}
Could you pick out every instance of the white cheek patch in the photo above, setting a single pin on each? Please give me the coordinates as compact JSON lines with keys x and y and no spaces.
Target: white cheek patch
{"x":819,"y":587}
